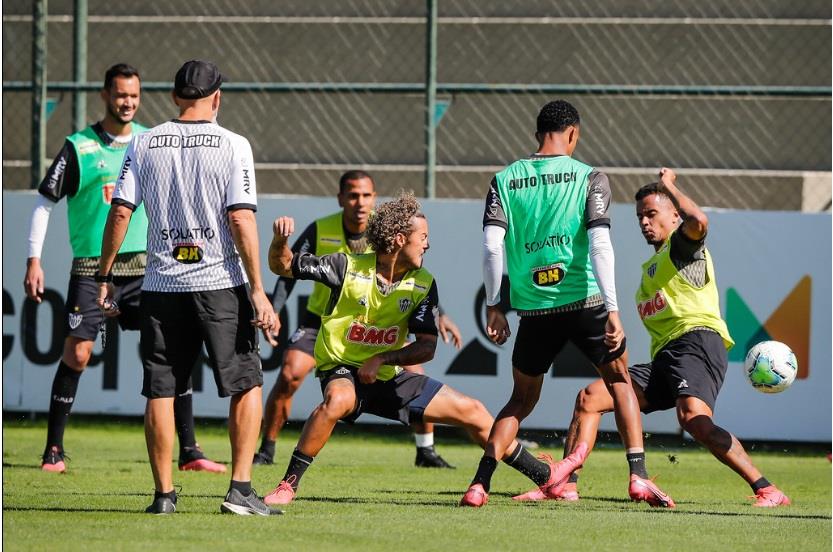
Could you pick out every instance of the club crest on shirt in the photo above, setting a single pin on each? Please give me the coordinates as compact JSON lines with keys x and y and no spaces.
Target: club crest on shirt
{"x":75,"y":320}
{"x":652,"y":270}
{"x":362,"y":301}
{"x":404,"y":305}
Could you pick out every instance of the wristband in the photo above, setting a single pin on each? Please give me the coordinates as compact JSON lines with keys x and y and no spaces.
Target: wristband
{"x":103,"y":279}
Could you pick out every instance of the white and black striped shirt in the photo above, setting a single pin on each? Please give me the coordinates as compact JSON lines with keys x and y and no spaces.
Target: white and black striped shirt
{"x":189,"y":175}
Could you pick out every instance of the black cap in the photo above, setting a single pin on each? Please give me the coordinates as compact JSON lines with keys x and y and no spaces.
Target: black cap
{"x":197,"y":79}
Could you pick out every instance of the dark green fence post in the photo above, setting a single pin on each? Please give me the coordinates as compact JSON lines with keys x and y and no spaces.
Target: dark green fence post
{"x":38,"y":90}
{"x":79,"y":64}
{"x":431,"y":100}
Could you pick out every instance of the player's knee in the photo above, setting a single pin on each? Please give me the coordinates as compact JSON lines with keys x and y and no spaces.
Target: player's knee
{"x":77,"y":357}
{"x":584,"y":402}
{"x":338,"y":405}
{"x":700,"y":427}
{"x":290,"y":378}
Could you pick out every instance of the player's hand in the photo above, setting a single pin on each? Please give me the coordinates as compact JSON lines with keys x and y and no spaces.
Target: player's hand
{"x":105,"y":300}
{"x":614,"y":332}
{"x":447,"y":326}
{"x":264,"y":314}
{"x":497,"y":328}
{"x":369,"y":370}
{"x":667,"y":178}
{"x":33,"y":281}
{"x":282,"y":228}
{"x":271,"y":334}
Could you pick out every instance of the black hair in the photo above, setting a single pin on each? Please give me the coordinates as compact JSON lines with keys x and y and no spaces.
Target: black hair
{"x":649,"y":189}
{"x":556,"y":117}
{"x":119,"y":70}
{"x":350,"y":176}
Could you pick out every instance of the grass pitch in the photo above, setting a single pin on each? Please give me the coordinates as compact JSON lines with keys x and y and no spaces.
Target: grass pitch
{"x":363,"y":493}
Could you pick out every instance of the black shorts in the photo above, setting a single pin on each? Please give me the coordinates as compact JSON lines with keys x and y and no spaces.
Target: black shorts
{"x":83,"y":315}
{"x":693,"y":365}
{"x":174,"y":328}
{"x":303,"y":340}
{"x":541,"y":338}
{"x":402,"y":398}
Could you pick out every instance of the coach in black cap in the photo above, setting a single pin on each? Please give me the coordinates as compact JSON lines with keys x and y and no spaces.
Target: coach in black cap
{"x":197,"y":79}
{"x":204,"y":290}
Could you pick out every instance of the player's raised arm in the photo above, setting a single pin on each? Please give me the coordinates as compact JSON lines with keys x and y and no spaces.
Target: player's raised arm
{"x":280,"y":255}
{"x":695,"y":222}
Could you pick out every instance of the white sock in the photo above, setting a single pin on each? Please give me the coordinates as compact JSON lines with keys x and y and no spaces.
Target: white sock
{"x":424,"y":439}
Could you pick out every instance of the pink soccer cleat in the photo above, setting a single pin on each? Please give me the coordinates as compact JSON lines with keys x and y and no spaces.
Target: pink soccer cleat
{"x":641,"y":489}
{"x":283,"y":494}
{"x":475,"y":497}
{"x":53,"y":460}
{"x":559,"y":476}
{"x":770,"y":497}
{"x":568,"y":494}
{"x":203,"y":464}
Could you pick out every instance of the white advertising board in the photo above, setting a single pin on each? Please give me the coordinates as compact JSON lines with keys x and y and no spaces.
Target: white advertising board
{"x":772,"y":268}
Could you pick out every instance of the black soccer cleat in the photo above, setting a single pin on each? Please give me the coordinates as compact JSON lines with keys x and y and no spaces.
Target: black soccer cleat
{"x":427,"y":457}
{"x":263,"y":458}
{"x":247,"y":505}
{"x":162,"y":505}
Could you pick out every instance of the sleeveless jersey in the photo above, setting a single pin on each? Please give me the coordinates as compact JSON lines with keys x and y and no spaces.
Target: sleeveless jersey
{"x":670,"y":306}
{"x":363,"y":322}
{"x":544,"y":199}
{"x":330,"y":238}
{"x":87,"y":209}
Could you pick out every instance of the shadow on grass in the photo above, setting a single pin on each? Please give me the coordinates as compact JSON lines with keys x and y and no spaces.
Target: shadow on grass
{"x":7,"y":508}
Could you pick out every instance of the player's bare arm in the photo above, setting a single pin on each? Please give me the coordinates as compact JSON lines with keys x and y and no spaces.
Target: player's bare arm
{"x":695,"y":222}
{"x":244,"y":231}
{"x":115,"y":229}
{"x":280,"y":255}
{"x":420,"y":351}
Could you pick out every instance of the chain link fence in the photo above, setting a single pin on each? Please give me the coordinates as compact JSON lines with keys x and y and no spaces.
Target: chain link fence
{"x":734,"y":94}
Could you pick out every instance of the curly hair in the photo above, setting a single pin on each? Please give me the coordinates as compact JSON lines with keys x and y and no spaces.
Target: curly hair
{"x":556,"y":117}
{"x":392,"y":218}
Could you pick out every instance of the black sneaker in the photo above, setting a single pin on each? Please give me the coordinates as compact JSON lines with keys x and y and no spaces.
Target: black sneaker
{"x":427,"y":457}
{"x":53,"y":460}
{"x":162,"y":505}
{"x":263,"y":458}
{"x":247,"y":505}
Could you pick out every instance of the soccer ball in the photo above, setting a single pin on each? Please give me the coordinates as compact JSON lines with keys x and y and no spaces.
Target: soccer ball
{"x":770,"y":366}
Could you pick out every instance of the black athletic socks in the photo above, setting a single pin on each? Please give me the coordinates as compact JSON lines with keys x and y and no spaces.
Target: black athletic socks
{"x":298,"y":464}
{"x":243,"y":487}
{"x":64,"y":388}
{"x":636,"y":464}
{"x":267,"y":447}
{"x":184,"y":419}
{"x":759,"y":484}
{"x":524,"y":462}
{"x":487,"y":467}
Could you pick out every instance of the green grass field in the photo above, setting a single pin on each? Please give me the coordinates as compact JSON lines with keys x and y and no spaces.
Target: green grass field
{"x":363,"y":493}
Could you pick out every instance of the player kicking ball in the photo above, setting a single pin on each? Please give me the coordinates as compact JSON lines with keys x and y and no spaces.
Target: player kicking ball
{"x":679,"y":305}
{"x":377,"y":299}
